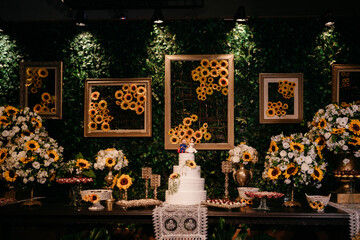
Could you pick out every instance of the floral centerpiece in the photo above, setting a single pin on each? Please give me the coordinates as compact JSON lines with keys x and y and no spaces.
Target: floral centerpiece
{"x":240,"y":156}
{"x":27,"y":154}
{"x":294,"y":160}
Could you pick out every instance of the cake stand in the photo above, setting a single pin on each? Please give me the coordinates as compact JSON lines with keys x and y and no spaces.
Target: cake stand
{"x":263,"y":196}
{"x":103,"y":194}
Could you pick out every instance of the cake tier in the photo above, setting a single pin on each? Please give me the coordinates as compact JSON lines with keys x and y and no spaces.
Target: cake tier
{"x":192,"y":184}
{"x":185,"y":197}
{"x":187,"y":171}
{"x":183,"y":157}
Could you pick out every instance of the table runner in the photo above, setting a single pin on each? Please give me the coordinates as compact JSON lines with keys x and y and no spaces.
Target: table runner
{"x":180,"y":222}
{"x":354,"y":211}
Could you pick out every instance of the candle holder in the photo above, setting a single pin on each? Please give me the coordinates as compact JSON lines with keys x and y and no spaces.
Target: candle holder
{"x":155,"y":181}
{"x":146,"y":174}
{"x":226,"y":168}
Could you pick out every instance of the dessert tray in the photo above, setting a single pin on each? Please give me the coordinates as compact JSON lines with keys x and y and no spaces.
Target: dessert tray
{"x":138,"y":203}
{"x":267,"y":195}
{"x":223,"y":203}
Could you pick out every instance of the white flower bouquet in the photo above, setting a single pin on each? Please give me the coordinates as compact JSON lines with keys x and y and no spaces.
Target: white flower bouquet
{"x":110,"y":158}
{"x":243,"y":154}
{"x":337,"y":128}
{"x":27,"y":154}
{"x":294,"y":159}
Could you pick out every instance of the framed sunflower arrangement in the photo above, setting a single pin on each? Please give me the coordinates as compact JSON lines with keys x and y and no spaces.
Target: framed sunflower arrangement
{"x":118,"y":107}
{"x":41,"y":88}
{"x":345,"y":84}
{"x":281,"y":97}
{"x":199,"y":101}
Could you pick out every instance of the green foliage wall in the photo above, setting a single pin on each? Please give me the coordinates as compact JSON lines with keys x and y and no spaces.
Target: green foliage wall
{"x":137,"y":49}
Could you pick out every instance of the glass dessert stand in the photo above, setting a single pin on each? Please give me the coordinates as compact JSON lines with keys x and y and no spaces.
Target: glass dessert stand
{"x":263,"y":196}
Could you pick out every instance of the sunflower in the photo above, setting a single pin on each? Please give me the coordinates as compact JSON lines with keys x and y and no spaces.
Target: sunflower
{"x":37,"y":108}
{"x":141,"y":90}
{"x":355,"y":141}
{"x":3,"y":155}
{"x":171,"y":132}
{"x":132,"y":105}
{"x":124,"y":182}
{"x":128,"y":97}
{"x":197,"y":135}
{"x":321,"y":143}
{"x":187,"y":121}
{"x":205,"y":72}
{"x":105,"y":127}
{"x":46,"y":97}
{"x":297,"y":146}
{"x":207,"y":136}
{"x":214,"y":63}
{"x":249,"y":202}
{"x":119,"y":94}
{"x":202,"y":79}
{"x":223,"y":64}
{"x":125,"y":87}
{"x":313,"y":205}
{"x":42,"y":72}
{"x":45,"y":109}
{"x":53,"y":155}
{"x":174,"y":139}
{"x":98,"y":119}
{"x":273,"y":147}
{"x":139,"y":110}
{"x":223,"y":72}
{"x":337,"y":130}
{"x":94,"y":198}
{"x":27,"y":159}
{"x":205,"y":63}
{"x":110,"y":162}
{"x":214,"y":73}
{"x":247,"y":156}
{"x":322,"y":123}
{"x":274,"y":173}
{"x":189,"y":132}
{"x":203,"y":130}
{"x":53,"y":110}
{"x":318,"y":174}
{"x":196,"y":77}
{"x":205,"y":125}
{"x":33,"y":90}
{"x":320,"y":206}
{"x":32,"y":145}
{"x":354,"y":126}
{"x":10,"y":176}
{"x":124,"y":105}
{"x":10,"y":110}
{"x":270,"y":112}
{"x":102,"y":104}
{"x":82,"y":164}
{"x":194,"y":117}
{"x":209,"y":91}
{"x":191,"y":163}
{"x":174,"y":176}
{"x":4,"y":121}
{"x":95,"y":95}
{"x":291,"y":170}
{"x":224,"y":91}
{"x":223,"y":82}
{"x":92,"y":126}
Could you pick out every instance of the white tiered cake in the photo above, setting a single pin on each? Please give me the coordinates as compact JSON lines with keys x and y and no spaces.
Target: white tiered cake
{"x":189,"y":186}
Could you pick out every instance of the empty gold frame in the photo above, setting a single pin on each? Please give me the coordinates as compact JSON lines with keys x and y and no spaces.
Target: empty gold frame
{"x":41,"y":88}
{"x":345,"y":84}
{"x":117,"y":107}
{"x":281,"y":97}
{"x":199,"y":101}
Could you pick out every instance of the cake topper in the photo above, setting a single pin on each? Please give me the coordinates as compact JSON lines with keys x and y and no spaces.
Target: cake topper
{"x":183,"y":146}
{"x":191,"y":147}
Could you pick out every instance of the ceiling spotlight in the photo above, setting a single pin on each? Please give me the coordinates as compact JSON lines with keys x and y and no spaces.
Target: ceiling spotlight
{"x":328,"y":19}
{"x":81,"y":18}
{"x":240,"y":15}
{"x":158,"y":17}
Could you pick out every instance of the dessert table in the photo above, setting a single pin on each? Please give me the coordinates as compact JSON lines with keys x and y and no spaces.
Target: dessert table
{"x":59,"y":215}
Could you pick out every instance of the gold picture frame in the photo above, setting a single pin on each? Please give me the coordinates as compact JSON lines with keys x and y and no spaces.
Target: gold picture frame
{"x":345,"y":83}
{"x":281,"y":97}
{"x":41,"y":88}
{"x":118,"y":107}
{"x":208,"y":99}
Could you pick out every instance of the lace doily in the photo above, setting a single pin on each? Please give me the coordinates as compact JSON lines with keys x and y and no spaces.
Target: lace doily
{"x":354,"y":211}
{"x":173,"y":222}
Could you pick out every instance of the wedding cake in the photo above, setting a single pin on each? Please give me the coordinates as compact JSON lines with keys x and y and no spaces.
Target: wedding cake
{"x":186,"y":187}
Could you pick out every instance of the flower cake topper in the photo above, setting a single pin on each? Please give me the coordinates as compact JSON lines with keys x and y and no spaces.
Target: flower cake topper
{"x":294,"y":159}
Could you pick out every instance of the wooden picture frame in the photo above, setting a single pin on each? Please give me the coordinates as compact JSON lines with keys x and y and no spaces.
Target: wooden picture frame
{"x":186,"y":96}
{"x":281,"y":97}
{"x":118,"y":107}
{"x":345,"y":83}
{"x":41,"y":88}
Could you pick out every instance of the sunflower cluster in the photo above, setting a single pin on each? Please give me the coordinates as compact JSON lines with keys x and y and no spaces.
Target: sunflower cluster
{"x":47,"y":104}
{"x":76,"y":167}
{"x":243,"y":154}
{"x":27,"y":153}
{"x":110,"y":158}
{"x":212,"y":76}
{"x":131,"y":97}
{"x":184,"y":131}
{"x":34,"y":78}
{"x":337,"y":128}
{"x":294,"y":159}
{"x":276,"y":108}
{"x":93,"y":198}
{"x":99,"y":113}
{"x":286,"y":88}
{"x":316,"y":205}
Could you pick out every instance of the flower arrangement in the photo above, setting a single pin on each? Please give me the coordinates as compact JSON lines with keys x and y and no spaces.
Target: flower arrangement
{"x":111,"y":158}
{"x":243,"y":154}
{"x":294,"y":159}
{"x":27,"y":154}
{"x":190,"y":163}
{"x":76,"y":169}
{"x":337,"y":128}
